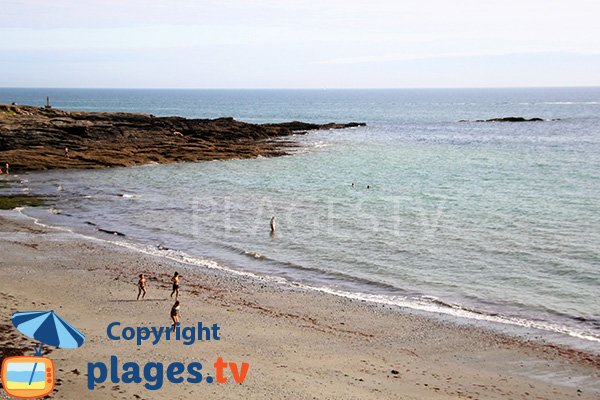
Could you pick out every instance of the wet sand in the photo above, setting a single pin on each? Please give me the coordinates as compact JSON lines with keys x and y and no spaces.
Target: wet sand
{"x":299,"y":344}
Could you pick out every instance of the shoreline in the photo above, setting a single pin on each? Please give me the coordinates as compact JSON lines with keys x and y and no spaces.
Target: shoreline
{"x":546,"y":332}
{"x":345,"y":330}
{"x":539,"y":332}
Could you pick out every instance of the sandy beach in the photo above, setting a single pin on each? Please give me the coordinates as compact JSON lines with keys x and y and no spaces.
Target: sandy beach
{"x":298,"y":344}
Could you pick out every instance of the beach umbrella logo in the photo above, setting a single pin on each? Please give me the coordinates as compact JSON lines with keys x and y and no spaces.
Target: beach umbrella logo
{"x":32,"y":377}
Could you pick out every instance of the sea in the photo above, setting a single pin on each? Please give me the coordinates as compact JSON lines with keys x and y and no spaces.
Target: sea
{"x":487,"y":222}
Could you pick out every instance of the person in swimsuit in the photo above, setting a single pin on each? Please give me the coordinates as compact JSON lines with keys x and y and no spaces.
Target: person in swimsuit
{"x":175,"y":279}
{"x":141,"y":287}
{"x":175,"y":314}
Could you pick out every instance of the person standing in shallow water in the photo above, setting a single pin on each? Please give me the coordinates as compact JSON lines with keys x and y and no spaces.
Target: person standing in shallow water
{"x":273,"y":226}
{"x":175,"y":280}
{"x":141,"y":286}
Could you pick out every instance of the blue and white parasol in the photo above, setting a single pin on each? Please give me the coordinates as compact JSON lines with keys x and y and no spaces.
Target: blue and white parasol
{"x":49,"y":329}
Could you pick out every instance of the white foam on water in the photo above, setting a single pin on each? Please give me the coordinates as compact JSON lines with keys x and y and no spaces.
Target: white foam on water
{"x":321,"y":144}
{"x":173,"y":255}
{"x":254,"y":254}
{"x":570,"y":102}
{"x":457,"y":311}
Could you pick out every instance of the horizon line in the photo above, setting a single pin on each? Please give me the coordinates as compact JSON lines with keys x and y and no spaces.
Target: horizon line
{"x":308,"y":88}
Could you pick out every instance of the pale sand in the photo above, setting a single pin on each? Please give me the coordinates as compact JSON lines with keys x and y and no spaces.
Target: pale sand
{"x":300,"y":344}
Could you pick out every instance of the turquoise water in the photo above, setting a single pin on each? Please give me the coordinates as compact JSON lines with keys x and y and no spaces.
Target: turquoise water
{"x":497,"y":221}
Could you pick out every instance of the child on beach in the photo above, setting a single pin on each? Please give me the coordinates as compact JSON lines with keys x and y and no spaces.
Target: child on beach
{"x":175,"y":314}
{"x":175,"y":280}
{"x":141,"y":287}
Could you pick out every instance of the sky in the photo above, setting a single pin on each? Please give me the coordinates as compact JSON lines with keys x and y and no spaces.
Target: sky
{"x":299,"y":43}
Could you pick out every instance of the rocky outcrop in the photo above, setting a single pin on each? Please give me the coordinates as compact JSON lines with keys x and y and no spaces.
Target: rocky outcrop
{"x":297,"y":126}
{"x":33,"y":138}
{"x":506,"y":119}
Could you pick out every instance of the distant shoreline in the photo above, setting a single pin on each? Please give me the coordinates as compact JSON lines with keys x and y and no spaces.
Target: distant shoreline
{"x":42,"y":138}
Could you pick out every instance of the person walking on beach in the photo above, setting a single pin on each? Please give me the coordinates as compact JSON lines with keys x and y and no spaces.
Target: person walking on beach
{"x":175,"y":280}
{"x":7,"y":166}
{"x":175,"y":314}
{"x":141,"y":287}
{"x":67,"y":152}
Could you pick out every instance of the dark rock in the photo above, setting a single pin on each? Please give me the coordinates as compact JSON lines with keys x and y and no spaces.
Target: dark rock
{"x":116,"y":233}
{"x":306,"y":126}
{"x":505,"y":119}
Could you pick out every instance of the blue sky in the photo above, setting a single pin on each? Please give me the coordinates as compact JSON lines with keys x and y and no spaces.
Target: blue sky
{"x":299,"y":44}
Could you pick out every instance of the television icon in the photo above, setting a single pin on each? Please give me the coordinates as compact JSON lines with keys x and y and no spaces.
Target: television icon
{"x":28,"y":377}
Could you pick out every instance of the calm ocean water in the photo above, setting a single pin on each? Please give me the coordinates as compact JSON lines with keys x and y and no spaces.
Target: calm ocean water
{"x":491,"y":221}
